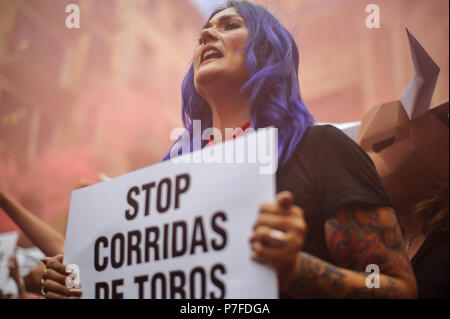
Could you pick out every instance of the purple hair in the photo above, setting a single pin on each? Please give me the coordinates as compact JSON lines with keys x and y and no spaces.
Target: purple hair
{"x":273,"y":59}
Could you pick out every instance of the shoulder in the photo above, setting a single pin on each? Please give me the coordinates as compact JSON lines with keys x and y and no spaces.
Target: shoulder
{"x":331,"y":134}
{"x":328,"y":151}
{"x":324,"y":139}
{"x":324,"y":147}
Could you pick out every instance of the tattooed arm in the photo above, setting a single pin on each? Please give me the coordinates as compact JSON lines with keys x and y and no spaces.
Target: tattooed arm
{"x":357,"y":237}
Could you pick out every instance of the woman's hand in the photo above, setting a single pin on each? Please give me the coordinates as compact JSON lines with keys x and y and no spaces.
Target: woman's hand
{"x":34,"y":278}
{"x":15,"y":275}
{"x":279,"y":235}
{"x":13,"y":268}
{"x":54,"y":280}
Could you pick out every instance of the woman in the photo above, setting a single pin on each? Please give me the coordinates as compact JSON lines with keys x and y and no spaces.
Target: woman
{"x":245,"y":69}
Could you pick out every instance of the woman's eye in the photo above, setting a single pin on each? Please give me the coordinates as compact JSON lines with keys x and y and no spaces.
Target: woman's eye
{"x":232,"y":25}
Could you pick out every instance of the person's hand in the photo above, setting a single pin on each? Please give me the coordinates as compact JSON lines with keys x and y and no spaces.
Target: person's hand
{"x":33,"y":279}
{"x":14,"y":274}
{"x":279,"y":235}
{"x":54,"y":280}
{"x":83,"y":182}
{"x":13,"y":268}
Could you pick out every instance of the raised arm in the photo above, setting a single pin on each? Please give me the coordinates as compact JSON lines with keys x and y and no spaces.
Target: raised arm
{"x":357,"y":237}
{"x":46,"y":238}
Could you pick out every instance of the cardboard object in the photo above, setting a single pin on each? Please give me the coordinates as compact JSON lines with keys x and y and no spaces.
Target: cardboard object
{"x":407,"y":142}
{"x":417,"y":96}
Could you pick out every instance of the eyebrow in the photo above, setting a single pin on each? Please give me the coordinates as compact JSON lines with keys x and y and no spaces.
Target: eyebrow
{"x":222,"y":19}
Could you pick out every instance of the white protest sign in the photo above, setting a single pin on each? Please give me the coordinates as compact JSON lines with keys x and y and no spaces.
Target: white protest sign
{"x":8,"y":242}
{"x":173,"y":230}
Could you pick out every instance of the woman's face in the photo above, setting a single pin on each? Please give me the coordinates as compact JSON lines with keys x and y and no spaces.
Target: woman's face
{"x":218,"y":55}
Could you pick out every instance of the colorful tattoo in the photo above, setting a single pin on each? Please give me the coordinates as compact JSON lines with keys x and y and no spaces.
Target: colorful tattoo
{"x":357,"y":237}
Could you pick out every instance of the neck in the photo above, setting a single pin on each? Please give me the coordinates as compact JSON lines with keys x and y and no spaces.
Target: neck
{"x":229,"y":109}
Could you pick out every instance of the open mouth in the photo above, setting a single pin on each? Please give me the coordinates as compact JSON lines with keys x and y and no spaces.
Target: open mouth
{"x":210,"y":54}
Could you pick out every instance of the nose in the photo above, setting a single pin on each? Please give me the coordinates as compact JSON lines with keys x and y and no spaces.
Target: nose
{"x":207,"y":35}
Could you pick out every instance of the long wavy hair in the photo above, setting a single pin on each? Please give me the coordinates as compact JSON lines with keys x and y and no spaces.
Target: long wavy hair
{"x":275,"y":100}
{"x":433,"y":209}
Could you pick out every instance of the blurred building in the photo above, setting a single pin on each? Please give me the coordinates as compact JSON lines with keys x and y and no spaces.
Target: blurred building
{"x":345,"y":67}
{"x":47,"y":68}
{"x":103,"y":97}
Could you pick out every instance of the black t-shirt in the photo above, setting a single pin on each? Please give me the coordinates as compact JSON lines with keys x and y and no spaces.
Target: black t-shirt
{"x":327,"y":172}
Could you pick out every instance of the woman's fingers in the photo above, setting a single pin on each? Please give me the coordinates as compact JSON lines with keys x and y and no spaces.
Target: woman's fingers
{"x":56,"y":264}
{"x":55,"y":276}
{"x":264,"y":233}
{"x":54,"y":295}
{"x":76,"y":292}
{"x":272,"y":215}
{"x":273,"y":208}
{"x":285,"y":199}
{"x":273,"y":221}
{"x":294,"y":222}
{"x":269,"y":236}
{"x":282,"y":206}
{"x":53,"y":286}
{"x":279,"y":232}
{"x":263,"y":253}
{"x":57,"y":257}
